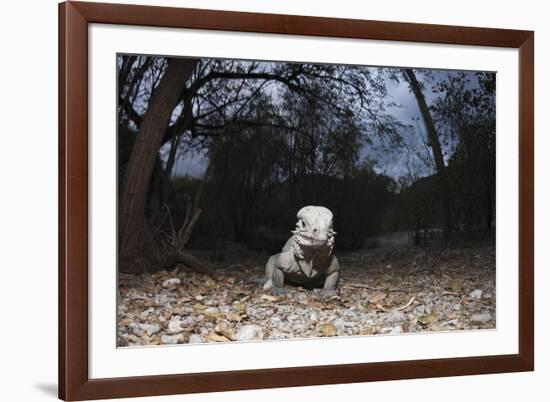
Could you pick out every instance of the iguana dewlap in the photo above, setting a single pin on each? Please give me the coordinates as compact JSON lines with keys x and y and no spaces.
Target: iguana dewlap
{"x":307,"y":256}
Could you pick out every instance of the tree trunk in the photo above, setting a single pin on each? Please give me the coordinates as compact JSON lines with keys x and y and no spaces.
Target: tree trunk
{"x":133,"y":232}
{"x":437,"y":153}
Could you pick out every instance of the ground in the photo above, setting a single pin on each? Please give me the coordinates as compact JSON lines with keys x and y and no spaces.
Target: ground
{"x":392,"y":289}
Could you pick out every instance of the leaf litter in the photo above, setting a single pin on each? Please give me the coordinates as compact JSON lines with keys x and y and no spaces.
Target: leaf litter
{"x":380,"y":292}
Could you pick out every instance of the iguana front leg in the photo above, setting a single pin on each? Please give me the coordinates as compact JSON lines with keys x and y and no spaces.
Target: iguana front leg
{"x":331,"y":279}
{"x":274,"y":274}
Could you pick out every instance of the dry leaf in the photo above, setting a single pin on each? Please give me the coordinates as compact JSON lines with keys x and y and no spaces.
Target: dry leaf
{"x":328,"y":329}
{"x":427,"y":319}
{"x":214,"y":337}
{"x":270,"y":298}
{"x":376,"y":297}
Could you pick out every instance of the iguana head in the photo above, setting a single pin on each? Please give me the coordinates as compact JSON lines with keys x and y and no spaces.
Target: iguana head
{"x":314,"y":227}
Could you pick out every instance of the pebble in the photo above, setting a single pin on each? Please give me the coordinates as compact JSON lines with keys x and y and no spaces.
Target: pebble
{"x":394,"y":316}
{"x":171,"y":283}
{"x":211,"y":312}
{"x":174,"y":327}
{"x":249,"y":333}
{"x":481,"y":318}
{"x":195,"y":339}
{"x":171,"y":339}
{"x":149,"y":329}
{"x":396,"y":330}
{"x":476,"y":294}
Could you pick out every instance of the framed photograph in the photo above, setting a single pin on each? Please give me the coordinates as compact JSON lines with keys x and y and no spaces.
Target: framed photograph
{"x":259,"y":200}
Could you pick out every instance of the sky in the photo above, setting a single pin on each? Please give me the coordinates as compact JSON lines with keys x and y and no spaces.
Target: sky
{"x":390,"y":163}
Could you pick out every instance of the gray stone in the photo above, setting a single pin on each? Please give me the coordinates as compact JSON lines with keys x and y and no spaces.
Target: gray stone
{"x":171,"y":339}
{"x":481,"y":318}
{"x":195,"y":339}
{"x":476,"y":294}
{"x":150,"y":329}
{"x":171,"y":283}
{"x":250,"y":333}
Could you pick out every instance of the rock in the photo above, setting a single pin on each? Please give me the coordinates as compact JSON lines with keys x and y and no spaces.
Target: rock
{"x":396,"y":330}
{"x":174,"y":327}
{"x":328,"y":329}
{"x":476,"y":294}
{"x":136,"y":329}
{"x":394,"y":316}
{"x":481,"y":318}
{"x":171,"y":283}
{"x":162,"y":300}
{"x":171,"y":339}
{"x":212,"y":312}
{"x":143,"y":315}
{"x":150,"y":329}
{"x":195,"y":339}
{"x":420,"y":309}
{"x":250,"y":333}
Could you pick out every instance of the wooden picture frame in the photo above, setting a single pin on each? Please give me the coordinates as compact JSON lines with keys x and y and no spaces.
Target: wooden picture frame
{"x":74,"y":381}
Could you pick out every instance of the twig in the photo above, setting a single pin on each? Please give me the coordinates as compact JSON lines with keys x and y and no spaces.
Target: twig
{"x":380,"y":307}
{"x":361,"y":286}
{"x":406,"y":305}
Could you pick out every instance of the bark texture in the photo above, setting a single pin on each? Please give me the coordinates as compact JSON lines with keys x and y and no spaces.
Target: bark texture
{"x":134,"y":236}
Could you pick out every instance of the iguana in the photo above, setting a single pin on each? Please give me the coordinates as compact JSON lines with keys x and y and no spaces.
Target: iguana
{"x":307,"y":255}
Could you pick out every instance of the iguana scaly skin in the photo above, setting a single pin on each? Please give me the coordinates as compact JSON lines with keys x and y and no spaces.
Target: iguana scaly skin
{"x":307,"y":256}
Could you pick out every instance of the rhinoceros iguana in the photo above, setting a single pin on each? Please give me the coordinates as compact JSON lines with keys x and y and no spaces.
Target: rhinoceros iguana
{"x":307,"y":256}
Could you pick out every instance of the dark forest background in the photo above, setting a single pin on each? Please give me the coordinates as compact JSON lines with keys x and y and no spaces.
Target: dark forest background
{"x":266,"y":138}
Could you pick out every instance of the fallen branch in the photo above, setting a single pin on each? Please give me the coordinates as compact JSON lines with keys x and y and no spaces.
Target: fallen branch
{"x":380,"y":307}
{"x":447,"y":293}
{"x":361,"y":286}
{"x":411,"y":301}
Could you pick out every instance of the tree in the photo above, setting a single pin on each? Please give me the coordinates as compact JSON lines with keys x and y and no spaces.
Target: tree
{"x":465,"y":112}
{"x":133,"y":229}
{"x":435,"y":145}
{"x":194,"y":103}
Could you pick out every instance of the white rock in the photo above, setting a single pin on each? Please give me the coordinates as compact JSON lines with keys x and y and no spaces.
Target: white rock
{"x":195,"y":339}
{"x":481,"y":318}
{"x":476,"y":294}
{"x":161,"y":300}
{"x":249,"y":333}
{"x":171,"y":339}
{"x":211,"y":312}
{"x":171,"y":283}
{"x":396,"y":330}
{"x":136,"y":329}
{"x":174,"y":327}
{"x":150,"y":329}
{"x":394,"y":316}
{"x":143,"y":315}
